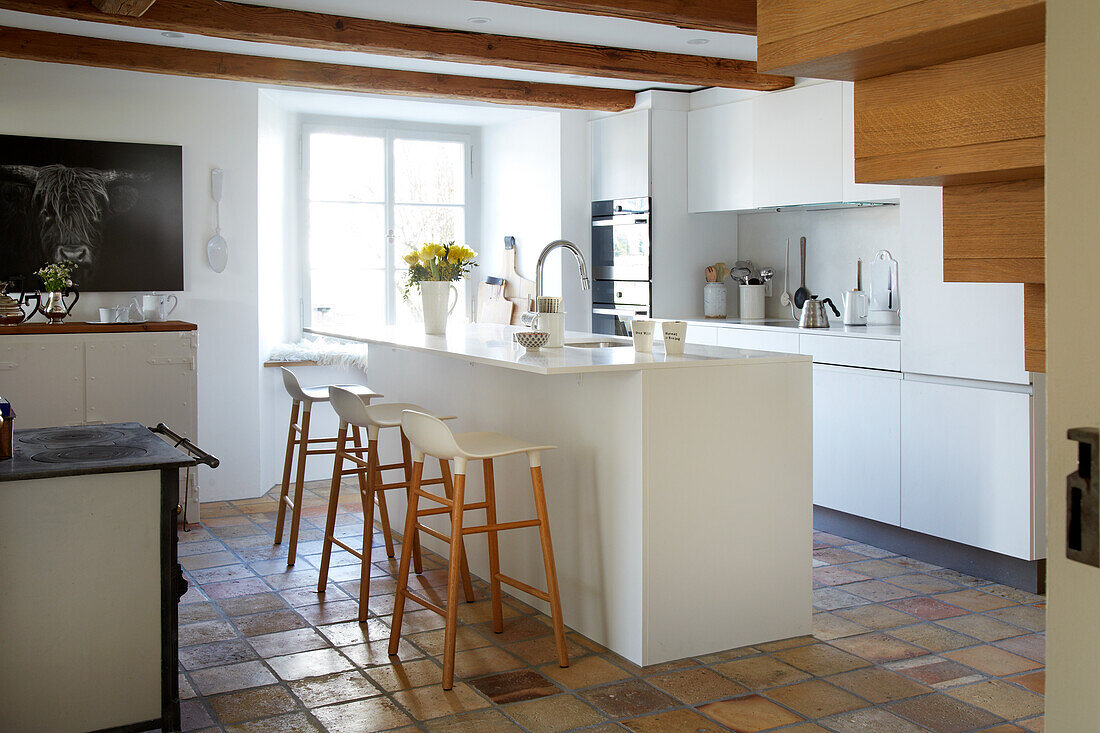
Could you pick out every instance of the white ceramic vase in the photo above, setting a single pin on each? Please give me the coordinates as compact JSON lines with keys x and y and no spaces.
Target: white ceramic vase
{"x":436,"y":299}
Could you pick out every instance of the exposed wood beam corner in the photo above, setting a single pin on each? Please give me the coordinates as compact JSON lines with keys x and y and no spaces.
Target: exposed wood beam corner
{"x":133,"y":8}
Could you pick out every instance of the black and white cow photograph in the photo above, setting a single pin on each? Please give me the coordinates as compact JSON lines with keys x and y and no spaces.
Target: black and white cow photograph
{"x":113,"y":209}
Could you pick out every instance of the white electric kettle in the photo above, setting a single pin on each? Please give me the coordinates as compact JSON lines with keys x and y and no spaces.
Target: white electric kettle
{"x":155,"y":306}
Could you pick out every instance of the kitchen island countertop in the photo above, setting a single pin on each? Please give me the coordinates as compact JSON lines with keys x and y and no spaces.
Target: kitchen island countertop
{"x":493,"y":345}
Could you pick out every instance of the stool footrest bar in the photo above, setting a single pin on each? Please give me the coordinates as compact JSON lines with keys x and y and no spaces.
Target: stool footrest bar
{"x":437,"y":499}
{"x":426,"y":603}
{"x":501,"y":526}
{"x":444,"y":510}
{"x":523,"y":587}
{"x":352,"y":550}
{"x":438,"y":535}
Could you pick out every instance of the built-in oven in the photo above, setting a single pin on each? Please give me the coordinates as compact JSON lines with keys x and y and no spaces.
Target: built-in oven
{"x":620,"y":239}
{"x":615,"y":303}
{"x":621,"y":264}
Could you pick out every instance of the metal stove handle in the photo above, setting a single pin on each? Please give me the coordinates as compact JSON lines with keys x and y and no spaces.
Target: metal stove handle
{"x":200,"y":455}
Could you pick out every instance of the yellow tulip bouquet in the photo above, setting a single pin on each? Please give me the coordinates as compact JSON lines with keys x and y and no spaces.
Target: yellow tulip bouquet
{"x":437,"y":262}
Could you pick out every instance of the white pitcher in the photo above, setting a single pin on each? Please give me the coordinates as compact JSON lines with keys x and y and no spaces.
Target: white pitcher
{"x":434,"y":296}
{"x":155,"y":306}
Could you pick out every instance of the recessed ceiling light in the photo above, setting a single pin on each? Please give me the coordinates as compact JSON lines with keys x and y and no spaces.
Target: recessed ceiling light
{"x":698,"y":41}
{"x":171,"y":34}
{"x":479,"y":20}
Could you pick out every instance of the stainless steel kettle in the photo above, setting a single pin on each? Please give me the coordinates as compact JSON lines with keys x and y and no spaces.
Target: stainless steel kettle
{"x":814,"y":315}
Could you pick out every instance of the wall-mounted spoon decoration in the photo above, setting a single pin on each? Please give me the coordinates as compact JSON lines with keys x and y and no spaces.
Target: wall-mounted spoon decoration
{"x":217,"y":249}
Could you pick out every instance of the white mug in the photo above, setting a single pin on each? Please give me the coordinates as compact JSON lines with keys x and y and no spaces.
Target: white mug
{"x":155,"y":307}
{"x":642,"y":332}
{"x":855,"y":304}
{"x":554,"y":324}
{"x":674,"y":334}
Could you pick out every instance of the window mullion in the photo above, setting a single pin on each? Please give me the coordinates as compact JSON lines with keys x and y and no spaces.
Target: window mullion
{"x":391,"y":226}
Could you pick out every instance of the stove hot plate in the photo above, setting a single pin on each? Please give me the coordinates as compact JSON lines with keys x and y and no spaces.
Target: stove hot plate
{"x":74,"y":436}
{"x":88,"y":453}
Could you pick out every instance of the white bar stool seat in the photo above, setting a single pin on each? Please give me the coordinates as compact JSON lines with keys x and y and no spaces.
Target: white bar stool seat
{"x":355,"y":413}
{"x":302,"y":399}
{"x":430,"y":436}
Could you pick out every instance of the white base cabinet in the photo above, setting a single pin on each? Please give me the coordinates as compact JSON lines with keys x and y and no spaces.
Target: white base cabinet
{"x":966,"y":466}
{"x":857,"y":441}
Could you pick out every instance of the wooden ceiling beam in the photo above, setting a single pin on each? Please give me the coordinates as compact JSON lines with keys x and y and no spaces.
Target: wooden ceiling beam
{"x":730,"y":16}
{"x":123,"y":7}
{"x":265,"y":24}
{"x":60,"y":48}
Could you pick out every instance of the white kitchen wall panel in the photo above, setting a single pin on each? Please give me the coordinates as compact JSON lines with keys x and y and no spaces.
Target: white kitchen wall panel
{"x":857,"y":441}
{"x":966,"y":470}
{"x":43,"y":377}
{"x":620,"y":156}
{"x":720,"y":158}
{"x":964,"y":330}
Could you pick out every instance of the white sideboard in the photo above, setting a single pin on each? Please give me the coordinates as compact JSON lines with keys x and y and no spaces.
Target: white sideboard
{"x":106,"y":375}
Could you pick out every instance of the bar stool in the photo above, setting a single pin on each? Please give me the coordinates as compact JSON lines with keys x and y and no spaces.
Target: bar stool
{"x":354,"y":413}
{"x":298,"y":438}
{"x":430,"y":436}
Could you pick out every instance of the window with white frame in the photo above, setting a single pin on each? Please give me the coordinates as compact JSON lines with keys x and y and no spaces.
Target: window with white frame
{"x":371,"y":195}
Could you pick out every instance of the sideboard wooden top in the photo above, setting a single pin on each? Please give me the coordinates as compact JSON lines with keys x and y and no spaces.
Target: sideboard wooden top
{"x":25,"y":329}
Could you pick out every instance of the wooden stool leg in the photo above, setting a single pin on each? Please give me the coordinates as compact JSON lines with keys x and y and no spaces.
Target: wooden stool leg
{"x":548,"y":561}
{"x":381,"y":497}
{"x":333,"y":504}
{"x":366,"y":492}
{"x":494,"y":548}
{"x":406,"y":454}
{"x":448,"y":488}
{"x":299,"y":481}
{"x":406,"y":558}
{"x":285,"y":486}
{"x":453,"y":572}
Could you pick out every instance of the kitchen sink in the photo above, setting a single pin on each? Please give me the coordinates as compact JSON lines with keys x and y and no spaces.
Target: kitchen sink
{"x":597,"y":344}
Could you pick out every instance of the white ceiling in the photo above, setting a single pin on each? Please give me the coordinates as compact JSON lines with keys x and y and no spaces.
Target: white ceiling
{"x":503,"y":19}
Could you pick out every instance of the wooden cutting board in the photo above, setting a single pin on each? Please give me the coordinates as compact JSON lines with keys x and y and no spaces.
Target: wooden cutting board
{"x":492,"y":306}
{"x":517,"y":288}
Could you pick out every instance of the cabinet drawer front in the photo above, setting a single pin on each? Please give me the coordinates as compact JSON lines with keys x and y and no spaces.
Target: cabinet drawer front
{"x":704,"y":335}
{"x":856,"y":352}
{"x":857,"y":442}
{"x":966,"y":466}
{"x":745,"y":338}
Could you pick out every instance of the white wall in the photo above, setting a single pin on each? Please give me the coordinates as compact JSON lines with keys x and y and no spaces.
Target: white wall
{"x":1073,"y":349}
{"x":521,"y":196}
{"x":834,"y":241}
{"x":215,"y":121}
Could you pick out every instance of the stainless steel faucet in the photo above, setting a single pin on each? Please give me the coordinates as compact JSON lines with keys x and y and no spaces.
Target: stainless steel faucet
{"x":528,"y":317}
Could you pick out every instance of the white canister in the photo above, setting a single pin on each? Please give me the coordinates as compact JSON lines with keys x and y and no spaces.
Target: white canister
{"x":553,"y":324}
{"x":642,"y":331}
{"x":752,"y":302}
{"x":714,"y":300}
{"x":674,"y":334}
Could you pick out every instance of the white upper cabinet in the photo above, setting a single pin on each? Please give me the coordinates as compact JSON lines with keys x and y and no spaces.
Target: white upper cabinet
{"x":620,"y":156}
{"x":785,"y":148}
{"x":797,"y":146}
{"x":720,"y":158}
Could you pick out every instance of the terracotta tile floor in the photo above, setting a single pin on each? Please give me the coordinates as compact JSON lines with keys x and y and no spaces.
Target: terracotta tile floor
{"x":898,"y":645}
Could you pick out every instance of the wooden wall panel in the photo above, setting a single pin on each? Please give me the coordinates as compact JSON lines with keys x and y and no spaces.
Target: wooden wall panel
{"x":862,"y":39}
{"x":1035,"y":328}
{"x":1007,"y":160}
{"x":994,"y":220}
{"x":978,"y":100}
{"x":994,"y":270}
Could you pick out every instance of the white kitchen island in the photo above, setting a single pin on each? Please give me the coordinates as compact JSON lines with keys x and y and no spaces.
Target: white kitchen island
{"x":680,"y":495}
